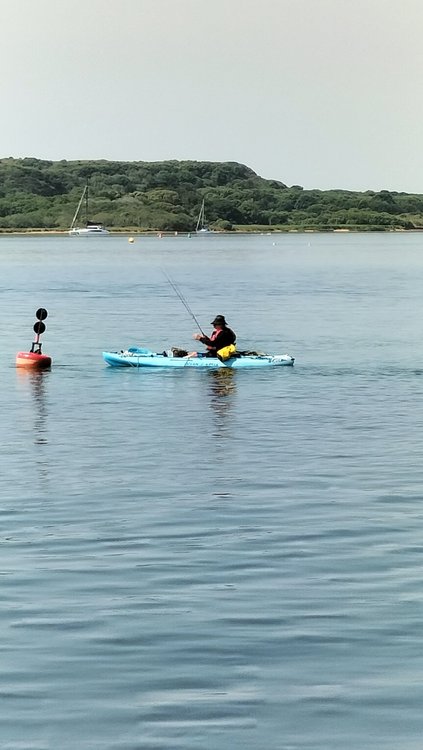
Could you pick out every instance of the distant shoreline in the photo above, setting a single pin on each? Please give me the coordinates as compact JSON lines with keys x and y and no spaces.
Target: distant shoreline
{"x":41,"y":198}
{"x":155,"y":233}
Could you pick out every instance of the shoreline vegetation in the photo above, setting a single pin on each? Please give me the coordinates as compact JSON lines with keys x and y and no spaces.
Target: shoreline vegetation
{"x":235,"y":231}
{"x":39,"y":197}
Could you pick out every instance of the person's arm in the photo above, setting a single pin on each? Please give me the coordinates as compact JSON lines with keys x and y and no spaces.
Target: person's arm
{"x":223,"y":338}
{"x":204,"y":339}
{"x":208,"y":342}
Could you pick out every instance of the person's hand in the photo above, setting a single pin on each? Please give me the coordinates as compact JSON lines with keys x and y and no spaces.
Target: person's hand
{"x":196,"y":336}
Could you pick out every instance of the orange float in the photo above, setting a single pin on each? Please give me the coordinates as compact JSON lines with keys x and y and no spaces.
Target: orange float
{"x":33,"y":360}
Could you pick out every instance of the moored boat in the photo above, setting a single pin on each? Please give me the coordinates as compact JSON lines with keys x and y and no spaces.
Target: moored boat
{"x":89,"y":230}
{"x":139,"y":357}
{"x":91,"y":227}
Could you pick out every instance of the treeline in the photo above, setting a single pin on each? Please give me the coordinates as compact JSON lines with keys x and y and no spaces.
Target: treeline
{"x":166,"y":196}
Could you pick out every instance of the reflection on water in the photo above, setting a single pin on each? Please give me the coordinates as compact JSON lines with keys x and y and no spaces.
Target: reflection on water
{"x":33,"y":384}
{"x":222,"y":398}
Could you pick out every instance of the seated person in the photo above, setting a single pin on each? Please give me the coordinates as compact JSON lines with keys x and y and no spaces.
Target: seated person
{"x":221,"y":336}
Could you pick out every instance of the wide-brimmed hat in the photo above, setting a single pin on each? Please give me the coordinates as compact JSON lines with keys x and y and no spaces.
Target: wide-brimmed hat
{"x":219,"y":321}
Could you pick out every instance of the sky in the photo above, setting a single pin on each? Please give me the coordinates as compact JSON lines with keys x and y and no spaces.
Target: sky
{"x":319,"y":93}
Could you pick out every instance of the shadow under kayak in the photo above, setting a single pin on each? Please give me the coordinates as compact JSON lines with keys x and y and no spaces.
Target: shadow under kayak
{"x":136,"y":357}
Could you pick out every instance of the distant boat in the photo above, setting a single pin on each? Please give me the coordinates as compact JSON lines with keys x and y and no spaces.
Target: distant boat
{"x":201,"y":222}
{"x":91,"y":227}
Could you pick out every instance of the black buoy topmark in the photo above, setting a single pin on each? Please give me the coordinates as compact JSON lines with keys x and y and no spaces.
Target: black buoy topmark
{"x":34,"y":358}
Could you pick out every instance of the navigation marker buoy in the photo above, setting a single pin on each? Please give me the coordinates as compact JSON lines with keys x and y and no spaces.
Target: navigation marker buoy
{"x":34,"y":359}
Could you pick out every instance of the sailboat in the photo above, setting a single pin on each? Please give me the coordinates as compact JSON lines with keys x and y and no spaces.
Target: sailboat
{"x":201,"y":224}
{"x":91,"y":227}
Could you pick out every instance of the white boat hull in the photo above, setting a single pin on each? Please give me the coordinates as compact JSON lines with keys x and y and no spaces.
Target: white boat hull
{"x":88,"y":231}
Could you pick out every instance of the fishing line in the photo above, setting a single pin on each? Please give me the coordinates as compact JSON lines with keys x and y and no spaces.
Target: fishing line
{"x":183,"y":300}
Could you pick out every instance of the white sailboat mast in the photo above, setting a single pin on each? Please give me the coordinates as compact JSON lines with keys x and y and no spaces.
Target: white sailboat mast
{"x":79,"y":206}
{"x":200,"y":220}
{"x":86,"y":204}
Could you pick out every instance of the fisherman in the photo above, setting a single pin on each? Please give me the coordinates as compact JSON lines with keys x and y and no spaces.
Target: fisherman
{"x":222,"y":336}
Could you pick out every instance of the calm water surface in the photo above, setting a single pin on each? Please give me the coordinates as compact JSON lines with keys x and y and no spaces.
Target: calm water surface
{"x":213,"y":560}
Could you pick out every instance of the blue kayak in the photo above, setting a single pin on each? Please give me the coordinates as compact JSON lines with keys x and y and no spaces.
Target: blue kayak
{"x":138,"y":357}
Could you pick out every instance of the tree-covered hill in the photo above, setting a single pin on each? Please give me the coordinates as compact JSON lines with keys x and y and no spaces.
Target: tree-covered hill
{"x":166,"y":196}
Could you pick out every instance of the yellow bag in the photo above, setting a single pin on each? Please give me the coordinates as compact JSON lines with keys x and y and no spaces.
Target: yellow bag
{"x":226,"y":352}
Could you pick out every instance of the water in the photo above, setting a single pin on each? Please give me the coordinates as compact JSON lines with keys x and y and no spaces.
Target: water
{"x":213,"y":560}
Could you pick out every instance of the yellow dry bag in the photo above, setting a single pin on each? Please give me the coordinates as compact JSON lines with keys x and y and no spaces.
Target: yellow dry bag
{"x":226,"y":352}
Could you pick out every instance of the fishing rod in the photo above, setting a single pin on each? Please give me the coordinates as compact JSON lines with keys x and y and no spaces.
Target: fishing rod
{"x":183,"y":300}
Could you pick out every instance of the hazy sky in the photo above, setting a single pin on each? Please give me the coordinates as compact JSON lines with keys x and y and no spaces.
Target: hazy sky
{"x":320,"y":93}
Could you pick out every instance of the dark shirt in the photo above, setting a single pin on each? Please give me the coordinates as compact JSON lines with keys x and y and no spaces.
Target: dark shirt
{"x":224,"y":337}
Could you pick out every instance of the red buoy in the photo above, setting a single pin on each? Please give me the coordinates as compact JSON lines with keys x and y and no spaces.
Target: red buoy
{"x":34,"y":359}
